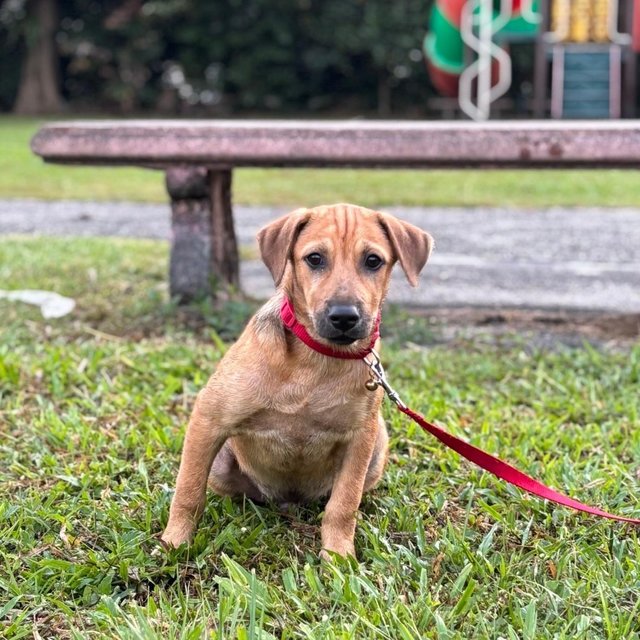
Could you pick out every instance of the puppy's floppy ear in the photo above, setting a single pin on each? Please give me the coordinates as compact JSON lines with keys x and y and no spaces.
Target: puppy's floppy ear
{"x":276,"y":241}
{"x":411,"y":245}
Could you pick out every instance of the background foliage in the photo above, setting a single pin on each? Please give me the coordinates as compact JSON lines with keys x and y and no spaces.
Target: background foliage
{"x":199,"y":57}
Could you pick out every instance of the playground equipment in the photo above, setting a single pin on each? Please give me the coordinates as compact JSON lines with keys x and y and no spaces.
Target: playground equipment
{"x":589,"y":57}
{"x":587,"y":43}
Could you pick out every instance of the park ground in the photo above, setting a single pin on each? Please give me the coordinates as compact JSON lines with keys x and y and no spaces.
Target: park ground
{"x":92,"y":412}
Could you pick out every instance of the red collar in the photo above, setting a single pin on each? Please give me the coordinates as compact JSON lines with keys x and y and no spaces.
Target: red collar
{"x":288,"y":316}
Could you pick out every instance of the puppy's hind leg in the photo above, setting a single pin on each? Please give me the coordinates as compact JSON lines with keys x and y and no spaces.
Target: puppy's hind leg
{"x":227,"y":479}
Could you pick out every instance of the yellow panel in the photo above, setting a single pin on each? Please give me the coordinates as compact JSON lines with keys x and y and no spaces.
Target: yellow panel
{"x":599,"y":20}
{"x":588,"y":19}
{"x":558,"y":14}
{"x":579,"y":30}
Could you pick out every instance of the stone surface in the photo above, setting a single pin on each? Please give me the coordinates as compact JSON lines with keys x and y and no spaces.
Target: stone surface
{"x":204,"y":252}
{"x":559,"y":258}
{"x":187,"y":182}
{"x":190,"y":259}
{"x":355,"y":143}
{"x":225,"y":263}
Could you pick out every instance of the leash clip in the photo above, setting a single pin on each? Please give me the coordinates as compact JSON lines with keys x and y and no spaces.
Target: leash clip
{"x":379,"y":377}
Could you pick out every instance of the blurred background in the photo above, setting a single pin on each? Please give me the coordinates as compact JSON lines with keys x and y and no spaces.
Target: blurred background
{"x":407,"y":58}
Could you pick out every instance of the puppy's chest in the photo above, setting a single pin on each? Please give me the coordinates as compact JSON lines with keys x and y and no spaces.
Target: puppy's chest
{"x":341,"y":400}
{"x":320,"y":411}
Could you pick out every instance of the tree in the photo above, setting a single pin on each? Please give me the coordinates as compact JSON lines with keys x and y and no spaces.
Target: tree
{"x":39,"y":88}
{"x":200,"y":57}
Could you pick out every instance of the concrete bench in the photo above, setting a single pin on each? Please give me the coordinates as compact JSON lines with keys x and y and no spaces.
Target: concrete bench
{"x":199,"y":156}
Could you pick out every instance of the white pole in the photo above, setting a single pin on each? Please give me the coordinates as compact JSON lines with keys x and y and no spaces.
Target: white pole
{"x":614,"y":35}
{"x":484,"y":58}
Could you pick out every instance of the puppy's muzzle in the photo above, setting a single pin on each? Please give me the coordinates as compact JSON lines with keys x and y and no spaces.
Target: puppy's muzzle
{"x":342,"y":323}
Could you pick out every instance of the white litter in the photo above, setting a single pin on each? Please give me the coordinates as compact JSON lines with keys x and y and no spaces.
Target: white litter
{"x":52,"y":304}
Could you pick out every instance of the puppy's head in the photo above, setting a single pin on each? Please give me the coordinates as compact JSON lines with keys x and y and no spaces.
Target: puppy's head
{"x":334,"y":263}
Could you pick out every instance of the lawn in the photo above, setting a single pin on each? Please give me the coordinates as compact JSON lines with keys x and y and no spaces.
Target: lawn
{"x":92,"y":411}
{"x":23,"y":175}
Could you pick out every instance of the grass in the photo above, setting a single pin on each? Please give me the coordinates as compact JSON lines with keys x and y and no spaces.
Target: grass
{"x":23,"y":175}
{"x":92,"y":410}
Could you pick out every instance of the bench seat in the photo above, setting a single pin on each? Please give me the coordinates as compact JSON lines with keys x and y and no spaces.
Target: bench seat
{"x":199,"y":156}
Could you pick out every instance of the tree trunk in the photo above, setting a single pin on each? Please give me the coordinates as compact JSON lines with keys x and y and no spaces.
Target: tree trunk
{"x":39,"y":91}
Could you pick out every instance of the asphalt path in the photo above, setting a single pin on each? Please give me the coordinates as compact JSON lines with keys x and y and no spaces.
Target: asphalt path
{"x":558,"y":258}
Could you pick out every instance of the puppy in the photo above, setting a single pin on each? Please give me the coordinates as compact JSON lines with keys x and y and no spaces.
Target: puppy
{"x":279,"y":421}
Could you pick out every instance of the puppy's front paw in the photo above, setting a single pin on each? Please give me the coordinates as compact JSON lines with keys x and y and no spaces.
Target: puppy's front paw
{"x":177,"y":534}
{"x":342,"y":548}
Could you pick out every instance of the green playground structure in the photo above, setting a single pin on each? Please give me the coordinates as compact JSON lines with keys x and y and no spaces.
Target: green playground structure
{"x":585,"y":53}
{"x":444,"y":47}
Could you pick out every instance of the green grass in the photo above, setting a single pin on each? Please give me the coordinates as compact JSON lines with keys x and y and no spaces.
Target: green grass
{"x":92,"y":411}
{"x":23,"y":175}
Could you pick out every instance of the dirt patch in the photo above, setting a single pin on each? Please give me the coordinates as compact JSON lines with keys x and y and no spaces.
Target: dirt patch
{"x":452,"y":326}
{"x":542,"y":327}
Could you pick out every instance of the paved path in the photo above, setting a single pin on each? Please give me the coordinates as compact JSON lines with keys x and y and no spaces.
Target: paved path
{"x":552,"y":259}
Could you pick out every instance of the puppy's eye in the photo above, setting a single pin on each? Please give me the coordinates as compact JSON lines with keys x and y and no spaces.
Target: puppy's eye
{"x":373,"y":262}
{"x":315,"y":260}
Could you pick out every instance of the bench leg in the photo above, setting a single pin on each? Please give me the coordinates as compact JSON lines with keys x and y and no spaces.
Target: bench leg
{"x":204,"y":252}
{"x":224,"y":247}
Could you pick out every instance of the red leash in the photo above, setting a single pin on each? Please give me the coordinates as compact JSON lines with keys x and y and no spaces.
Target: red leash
{"x":505,"y":471}
{"x":484,"y":460}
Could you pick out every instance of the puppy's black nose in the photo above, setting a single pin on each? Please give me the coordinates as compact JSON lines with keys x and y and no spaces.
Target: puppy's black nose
{"x":343,"y":316}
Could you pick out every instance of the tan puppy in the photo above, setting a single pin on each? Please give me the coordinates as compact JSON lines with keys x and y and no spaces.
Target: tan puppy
{"x":279,"y":421}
